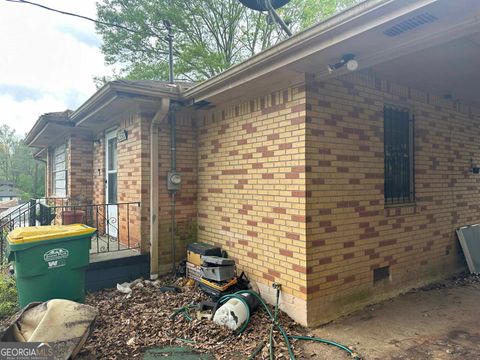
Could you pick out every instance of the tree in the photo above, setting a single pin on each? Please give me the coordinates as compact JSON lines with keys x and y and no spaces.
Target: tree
{"x":8,"y":142}
{"x":210,"y":35}
{"x":17,"y":164}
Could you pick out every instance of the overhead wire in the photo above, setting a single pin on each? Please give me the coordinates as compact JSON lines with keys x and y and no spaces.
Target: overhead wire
{"x":104,"y":23}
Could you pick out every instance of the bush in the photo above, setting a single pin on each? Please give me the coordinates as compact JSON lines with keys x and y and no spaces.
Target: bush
{"x":8,"y":295}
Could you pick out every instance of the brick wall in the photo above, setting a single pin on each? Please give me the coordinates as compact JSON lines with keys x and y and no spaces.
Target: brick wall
{"x":79,"y":168}
{"x":134,"y":183}
{"x":131,"y":184}
{"x":99,"y":168}
{"x":251,"y":190}
{"x":350,"y":231}
{"x":186,"y":198}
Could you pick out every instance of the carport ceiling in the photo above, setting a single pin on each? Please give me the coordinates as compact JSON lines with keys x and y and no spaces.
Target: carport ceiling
{"x":452,"y":68}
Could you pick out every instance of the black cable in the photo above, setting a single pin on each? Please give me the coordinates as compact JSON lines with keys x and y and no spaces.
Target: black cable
{"x":76,"y":15}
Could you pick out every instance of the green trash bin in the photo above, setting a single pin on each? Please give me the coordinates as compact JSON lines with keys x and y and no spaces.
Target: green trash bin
{"x":50,"y":261}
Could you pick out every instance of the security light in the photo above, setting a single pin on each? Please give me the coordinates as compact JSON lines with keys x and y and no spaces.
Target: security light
{"x":347,"y":59}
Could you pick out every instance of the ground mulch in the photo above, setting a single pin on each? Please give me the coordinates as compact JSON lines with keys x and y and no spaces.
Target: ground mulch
{"x":128,"y":325}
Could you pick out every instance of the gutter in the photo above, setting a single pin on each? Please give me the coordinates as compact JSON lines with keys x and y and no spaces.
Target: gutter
{"x":301,"y":44}
{"x":113,"y":90}
{"x":160,"y":115}
{"x":44,"y":120}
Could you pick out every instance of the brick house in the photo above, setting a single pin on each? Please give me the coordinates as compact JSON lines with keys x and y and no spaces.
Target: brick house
{"x":344,"y":186}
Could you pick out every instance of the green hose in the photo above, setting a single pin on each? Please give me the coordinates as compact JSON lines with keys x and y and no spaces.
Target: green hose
{"x":184,"y":310}
{"x":275,"y":322}
{"x":325,"y":341}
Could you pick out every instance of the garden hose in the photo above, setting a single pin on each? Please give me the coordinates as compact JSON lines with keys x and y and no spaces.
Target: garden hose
{"x":184,"y":310}
{"x":274,"y":318}
{"x":257,"y":351}
{"x":274,"y":321}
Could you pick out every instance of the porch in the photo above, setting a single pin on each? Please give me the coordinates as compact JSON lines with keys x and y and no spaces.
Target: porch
{"x":104,"y":247}
{"x":117,"y":224}
{"x":115,"y":251}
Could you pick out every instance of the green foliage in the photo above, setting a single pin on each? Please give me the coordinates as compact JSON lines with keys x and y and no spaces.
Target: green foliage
{"x":8,"y":296}
{"x":18,"y":165}
{"x":308,"y":12}
{"x":210,"y":35}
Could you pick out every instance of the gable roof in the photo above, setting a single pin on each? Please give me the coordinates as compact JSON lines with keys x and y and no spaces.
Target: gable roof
{"x":59,"y":118}
{"x":122,"y":94}
{"x":7,"y":190}
{"x":369,"y":30}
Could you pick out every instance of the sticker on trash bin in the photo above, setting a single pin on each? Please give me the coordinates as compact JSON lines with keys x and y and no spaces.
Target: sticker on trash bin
{"x":56,"y":257}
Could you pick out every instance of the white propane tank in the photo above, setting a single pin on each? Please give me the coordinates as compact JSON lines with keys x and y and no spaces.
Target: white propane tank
{"x":232,"y":314}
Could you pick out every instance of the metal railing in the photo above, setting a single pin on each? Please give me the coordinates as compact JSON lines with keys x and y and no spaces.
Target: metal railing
{"x":118,"y":225}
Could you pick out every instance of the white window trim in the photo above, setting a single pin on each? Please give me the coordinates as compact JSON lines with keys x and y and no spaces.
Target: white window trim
{"x":57,"y":191}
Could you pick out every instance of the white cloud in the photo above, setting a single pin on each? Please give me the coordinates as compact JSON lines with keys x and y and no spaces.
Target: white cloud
{"x":49,"y":54}
{"x":21,"y":115}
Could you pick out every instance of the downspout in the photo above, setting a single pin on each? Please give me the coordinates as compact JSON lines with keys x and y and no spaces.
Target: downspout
{"x":173,"y":161}
{"x":159,"y":116}
{"x":172,"y":186}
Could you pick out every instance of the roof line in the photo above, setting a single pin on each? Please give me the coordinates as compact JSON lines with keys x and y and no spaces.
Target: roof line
{"x":42,"y":121}
{"x":112,"y":88}
{"x":290,"y":45}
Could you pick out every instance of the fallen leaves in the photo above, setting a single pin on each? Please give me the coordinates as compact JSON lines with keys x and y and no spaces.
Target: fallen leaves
{"x":128,"y":324}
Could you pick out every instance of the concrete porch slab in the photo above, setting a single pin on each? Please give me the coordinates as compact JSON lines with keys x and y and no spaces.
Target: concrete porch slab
{"x":108,"y":248}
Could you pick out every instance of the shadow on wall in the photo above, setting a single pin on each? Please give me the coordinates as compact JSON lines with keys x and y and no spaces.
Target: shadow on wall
{"x":186,"y":233}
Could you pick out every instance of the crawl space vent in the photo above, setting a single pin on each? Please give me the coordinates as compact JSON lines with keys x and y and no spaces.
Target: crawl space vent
{"x":410,"y":24}
{"x":381,"y":274}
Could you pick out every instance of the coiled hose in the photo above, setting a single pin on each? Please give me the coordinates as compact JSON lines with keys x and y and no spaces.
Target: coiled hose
{"x":275,"y":323}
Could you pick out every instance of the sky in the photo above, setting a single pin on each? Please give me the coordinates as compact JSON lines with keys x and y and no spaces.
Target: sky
{"x":47,"y":60}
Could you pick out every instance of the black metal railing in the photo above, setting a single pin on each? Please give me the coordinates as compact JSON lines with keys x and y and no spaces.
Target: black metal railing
{"x":118,"y":225}
{"x":20,"y":216}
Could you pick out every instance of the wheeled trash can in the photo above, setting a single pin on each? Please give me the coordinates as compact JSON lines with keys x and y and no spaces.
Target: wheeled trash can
{"x":50,"y":261}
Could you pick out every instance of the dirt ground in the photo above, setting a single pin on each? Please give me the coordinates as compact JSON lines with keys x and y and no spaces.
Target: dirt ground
{"x":438,"y":322}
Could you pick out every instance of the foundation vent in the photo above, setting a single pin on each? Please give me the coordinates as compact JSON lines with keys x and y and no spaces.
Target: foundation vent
{"x":410,"y":24}
{"x":381,"y":274}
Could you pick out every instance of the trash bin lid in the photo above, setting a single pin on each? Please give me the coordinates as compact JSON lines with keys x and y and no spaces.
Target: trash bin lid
{"x":42,"y":233}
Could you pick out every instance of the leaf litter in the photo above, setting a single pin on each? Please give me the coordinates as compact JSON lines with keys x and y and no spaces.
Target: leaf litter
{"x":128,"y":325}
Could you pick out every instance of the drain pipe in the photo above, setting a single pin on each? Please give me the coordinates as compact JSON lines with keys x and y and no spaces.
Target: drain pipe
{"x":173,"y":177}
{"x":159,"y":116}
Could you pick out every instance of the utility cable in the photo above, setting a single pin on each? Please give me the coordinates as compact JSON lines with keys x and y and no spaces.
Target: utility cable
{"x":79,"y":16}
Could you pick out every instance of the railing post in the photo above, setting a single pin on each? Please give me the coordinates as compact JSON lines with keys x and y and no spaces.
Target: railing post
{"x":31,"y":212}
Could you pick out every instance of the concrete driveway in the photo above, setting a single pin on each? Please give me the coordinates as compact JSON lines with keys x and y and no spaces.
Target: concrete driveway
{"x":440,"y":322}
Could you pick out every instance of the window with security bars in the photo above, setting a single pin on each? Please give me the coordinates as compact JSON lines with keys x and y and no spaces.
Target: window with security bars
{"x":399,"y":155}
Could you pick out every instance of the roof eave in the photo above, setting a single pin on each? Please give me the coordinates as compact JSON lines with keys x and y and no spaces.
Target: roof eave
{"x":40,"y":124}
{"x":112,"y":90}
{"x":274,"y":57}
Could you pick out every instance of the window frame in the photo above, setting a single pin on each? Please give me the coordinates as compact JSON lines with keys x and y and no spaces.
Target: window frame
{"x":395,"y":201}
{"x":55,"y":153}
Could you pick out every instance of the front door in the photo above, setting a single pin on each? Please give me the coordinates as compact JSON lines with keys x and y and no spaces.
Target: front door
{"x":111,"y":209}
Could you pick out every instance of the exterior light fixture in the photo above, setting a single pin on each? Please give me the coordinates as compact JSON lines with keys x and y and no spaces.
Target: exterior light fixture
{"x":348,"y":60}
